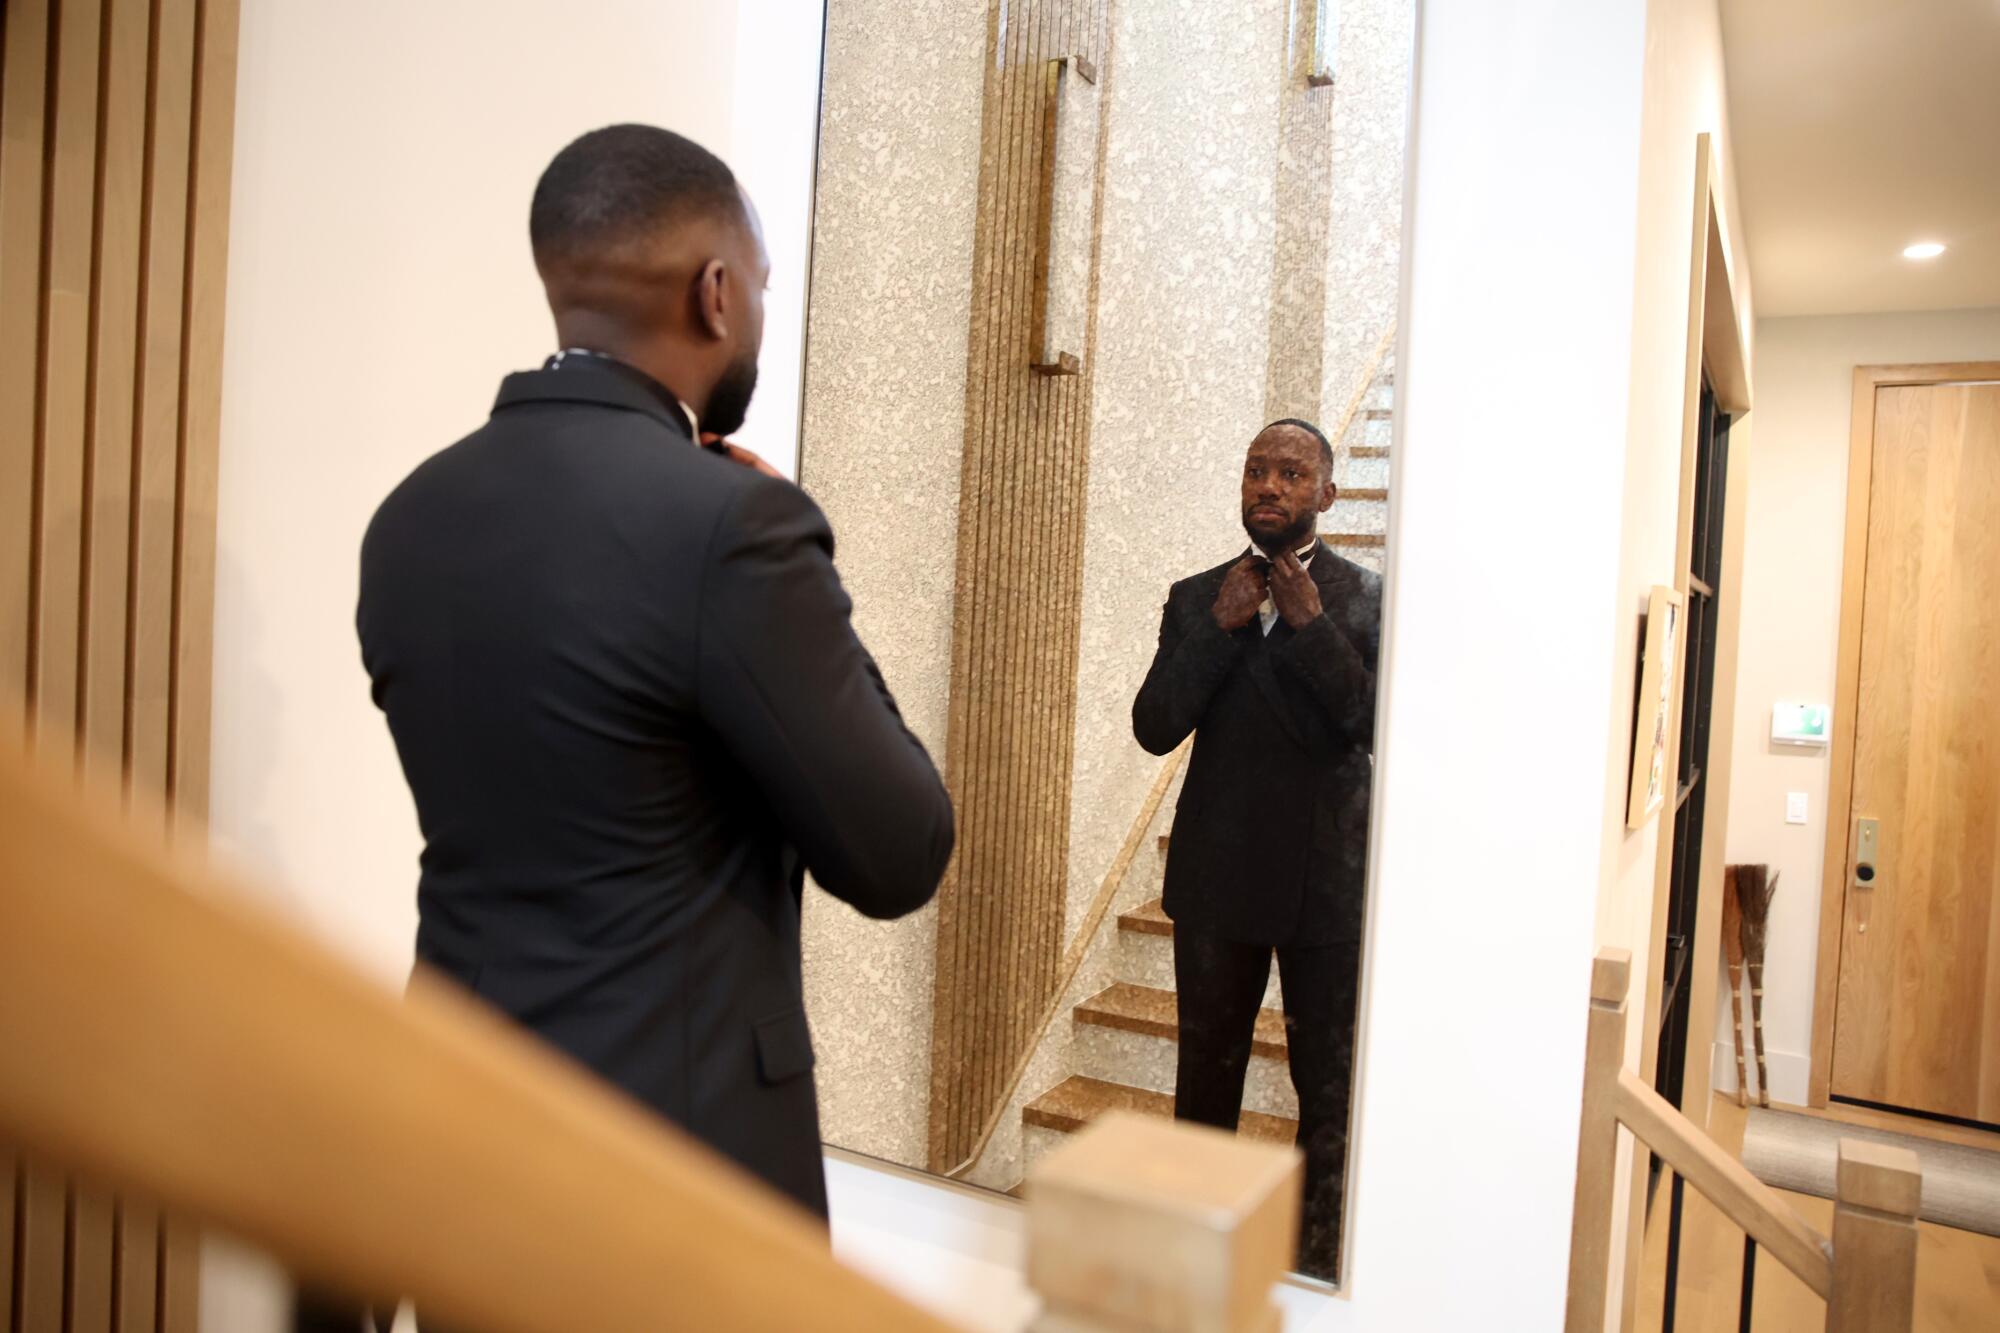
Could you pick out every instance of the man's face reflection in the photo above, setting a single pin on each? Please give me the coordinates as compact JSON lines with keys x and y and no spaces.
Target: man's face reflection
{"x":1284,"y":489}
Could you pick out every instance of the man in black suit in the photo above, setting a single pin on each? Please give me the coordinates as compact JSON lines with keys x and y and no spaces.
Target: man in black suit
{"x":1270,"y":661}
{"x":622,"y":682}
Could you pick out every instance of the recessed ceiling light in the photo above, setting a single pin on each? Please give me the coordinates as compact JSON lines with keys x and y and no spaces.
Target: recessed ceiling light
{"x":1923,"y":250}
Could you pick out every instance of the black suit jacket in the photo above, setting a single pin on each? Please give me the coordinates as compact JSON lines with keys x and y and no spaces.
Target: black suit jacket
{"x":622,"y":682}
{"x":1270,"y":837}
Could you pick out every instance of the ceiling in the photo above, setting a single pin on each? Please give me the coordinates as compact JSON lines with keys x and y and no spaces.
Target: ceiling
{"x":1859,"y":127}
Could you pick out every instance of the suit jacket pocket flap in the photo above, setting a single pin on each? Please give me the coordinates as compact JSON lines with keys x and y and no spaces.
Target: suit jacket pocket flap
{"x":784,"y":1047}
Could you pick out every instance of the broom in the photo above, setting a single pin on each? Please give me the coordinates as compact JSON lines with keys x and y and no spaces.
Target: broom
{"x":1755,"y":886}
{"x":1732,"y":945}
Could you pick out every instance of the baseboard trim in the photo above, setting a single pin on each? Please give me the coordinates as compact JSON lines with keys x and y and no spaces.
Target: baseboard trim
{"x":1791,"y":1074}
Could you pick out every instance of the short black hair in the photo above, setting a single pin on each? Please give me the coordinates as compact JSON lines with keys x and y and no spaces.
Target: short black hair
{"x":1325,"y":445}
{"x":615,"y":183}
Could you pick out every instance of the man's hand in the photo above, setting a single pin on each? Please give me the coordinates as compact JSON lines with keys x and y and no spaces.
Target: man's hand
{"x":1243,"y":591}
{"x":1294,"y":592}
{"x":736,"y":453}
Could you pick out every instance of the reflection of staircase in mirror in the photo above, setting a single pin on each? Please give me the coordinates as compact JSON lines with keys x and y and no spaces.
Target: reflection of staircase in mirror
{"x":1117,"y":1046}
{"x":1359,"y":521}
{"x":1125,"y":1045}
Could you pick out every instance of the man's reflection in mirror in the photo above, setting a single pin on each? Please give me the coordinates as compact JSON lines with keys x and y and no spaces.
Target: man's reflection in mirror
{"x":1269,"y":660}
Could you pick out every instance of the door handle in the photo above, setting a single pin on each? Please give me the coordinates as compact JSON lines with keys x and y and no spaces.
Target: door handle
{"x":1867,"y":839}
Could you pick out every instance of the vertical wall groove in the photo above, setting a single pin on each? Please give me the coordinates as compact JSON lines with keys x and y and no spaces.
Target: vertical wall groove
{"x":1303,"y":198}
{"x":111,"y":278}
{"x":1016,"y":609}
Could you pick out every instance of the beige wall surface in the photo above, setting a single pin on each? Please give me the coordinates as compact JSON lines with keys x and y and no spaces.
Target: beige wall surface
{"x":1797,"y":482}
{"x":884,"y":427}
{"x":379,"y":287}
{"x":1684,"y":97}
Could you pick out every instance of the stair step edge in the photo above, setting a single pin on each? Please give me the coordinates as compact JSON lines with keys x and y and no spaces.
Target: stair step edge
{"x":1126,"y":1007}
{"x":1075,"y":1102}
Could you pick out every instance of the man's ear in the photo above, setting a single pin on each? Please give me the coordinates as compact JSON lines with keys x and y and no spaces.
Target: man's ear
{"x":1328,"y":494}
{"x":711,"y":300}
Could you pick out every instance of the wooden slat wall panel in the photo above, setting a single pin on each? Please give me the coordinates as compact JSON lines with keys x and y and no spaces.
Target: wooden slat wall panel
{"x":89,"y":1275}
{"x":113,"y":376}
{"x":201,"y":408}
{"x":38,"y":1272}
{"x":23,"y":98}
{"x":1017,"y":611}
{"x":56,"y":594}
{"x":135,"y":1294}
{"x":10,"y":1186}
{"x":115,"y":134}
{"x":157,"y":448}
{"x":180,"y":1277}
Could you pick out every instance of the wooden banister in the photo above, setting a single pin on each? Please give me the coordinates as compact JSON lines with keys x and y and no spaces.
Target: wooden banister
{"x":1726,"y":1183}
{"x":161,"y":1031}
{"x":1866,"y":1273}
{"x":1877,"y":1189}
{"x":1597,"y":1144}
{"x":1139,"y":1225}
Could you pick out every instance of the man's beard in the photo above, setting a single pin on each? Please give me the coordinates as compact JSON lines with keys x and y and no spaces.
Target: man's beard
{"x":729,"y":400}
{"x":1291,"y":539}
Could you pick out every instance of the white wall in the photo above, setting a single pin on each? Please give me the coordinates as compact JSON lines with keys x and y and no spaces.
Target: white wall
{"x":379,"y":287}
{"x":1500,"y":635}
{"x":1791,"y":621}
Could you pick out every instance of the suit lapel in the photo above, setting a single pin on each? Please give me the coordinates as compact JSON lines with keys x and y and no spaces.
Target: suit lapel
{"x":1264,"y":673}
{"x":1325,"y":571}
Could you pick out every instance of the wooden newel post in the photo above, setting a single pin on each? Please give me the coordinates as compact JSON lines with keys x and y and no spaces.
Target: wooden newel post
{"x":1597,"y":1144}
{"x":1877,"y":1191}
{"x":1142,"y":1225}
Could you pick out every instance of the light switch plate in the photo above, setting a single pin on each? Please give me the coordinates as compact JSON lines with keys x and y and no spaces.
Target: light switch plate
{"x":1795,"y":807}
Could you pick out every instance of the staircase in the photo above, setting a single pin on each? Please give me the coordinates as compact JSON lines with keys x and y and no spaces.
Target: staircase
{"x":1359,"y":520}
{"x":1125,"y":1037}
{"x":1126,"y":1044}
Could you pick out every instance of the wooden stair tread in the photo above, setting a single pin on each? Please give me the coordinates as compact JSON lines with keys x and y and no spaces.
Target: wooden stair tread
{"x":1354,"y":539}
{"x":1364,"y":492}
{"x":1077,"y":1101}
{"x":1378,"y":414}
{"x":1151,"y":919}
{"x":1368,"y":451}
{"x":1155,"y":1013}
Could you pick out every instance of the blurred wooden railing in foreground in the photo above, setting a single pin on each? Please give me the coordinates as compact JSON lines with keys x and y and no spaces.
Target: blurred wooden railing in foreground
{"x":1866,"y":1273}
{"x":159,"y":1031}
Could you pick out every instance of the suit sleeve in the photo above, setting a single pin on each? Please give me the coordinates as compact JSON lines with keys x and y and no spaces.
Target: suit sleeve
{"x":1190,"y":664}
{"x":1338,"y":665}
{"x":787,"y":685}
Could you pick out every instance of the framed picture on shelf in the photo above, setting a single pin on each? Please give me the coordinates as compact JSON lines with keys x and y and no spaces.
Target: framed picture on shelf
{"x":1656,"y":706}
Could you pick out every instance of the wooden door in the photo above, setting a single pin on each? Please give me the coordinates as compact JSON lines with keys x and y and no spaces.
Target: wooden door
{"x":1917,"y":1020}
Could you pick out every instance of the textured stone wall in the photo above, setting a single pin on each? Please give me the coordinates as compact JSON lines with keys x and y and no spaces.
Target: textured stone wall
{"x":1183,"y":350}
{"x":883,"y":429}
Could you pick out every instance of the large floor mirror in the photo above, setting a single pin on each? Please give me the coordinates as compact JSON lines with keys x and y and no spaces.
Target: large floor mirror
{"x":1071,"y":261}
